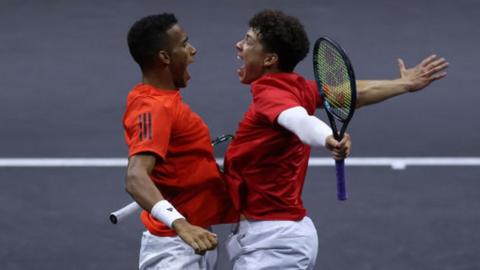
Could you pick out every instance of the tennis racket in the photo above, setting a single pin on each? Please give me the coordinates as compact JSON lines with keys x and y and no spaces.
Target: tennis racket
{"x":133,"y":207}
{"x":336,"y":84}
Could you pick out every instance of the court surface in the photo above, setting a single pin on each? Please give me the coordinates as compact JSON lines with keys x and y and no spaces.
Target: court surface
{"x":65,"y":72}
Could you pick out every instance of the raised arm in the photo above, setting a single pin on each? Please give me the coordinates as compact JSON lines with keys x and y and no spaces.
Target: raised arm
{"x":413,"y":79}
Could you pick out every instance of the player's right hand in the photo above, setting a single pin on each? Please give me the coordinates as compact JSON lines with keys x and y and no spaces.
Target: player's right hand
{"x":340,"y":150}
{"x":198,"y":238}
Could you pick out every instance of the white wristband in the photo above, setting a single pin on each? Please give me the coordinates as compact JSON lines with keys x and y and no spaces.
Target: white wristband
{"x":165,"y":212}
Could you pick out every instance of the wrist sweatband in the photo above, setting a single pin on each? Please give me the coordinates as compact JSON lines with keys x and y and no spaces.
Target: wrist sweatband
{"x":165,"y":212}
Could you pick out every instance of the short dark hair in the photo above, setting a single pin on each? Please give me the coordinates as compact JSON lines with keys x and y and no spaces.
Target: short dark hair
{"x":148,"y":36}
{"x":283,"y":35}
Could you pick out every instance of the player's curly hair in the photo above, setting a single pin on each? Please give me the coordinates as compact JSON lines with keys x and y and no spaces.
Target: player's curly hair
{"x":283,"y":35}
{"x":148,"y":36}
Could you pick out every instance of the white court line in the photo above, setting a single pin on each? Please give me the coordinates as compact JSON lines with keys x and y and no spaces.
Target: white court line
{"x":400,"y":163}
{"x":395,"y":163}
{"x":63,"y":162}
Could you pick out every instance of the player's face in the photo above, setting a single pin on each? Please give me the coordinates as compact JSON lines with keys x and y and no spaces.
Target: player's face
{"x":181,"y":54}
{"x":251,"y":52}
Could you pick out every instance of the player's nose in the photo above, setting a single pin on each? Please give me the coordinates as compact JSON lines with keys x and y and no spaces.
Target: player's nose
{"x":193,"y":50}
{"x":238,"y":46}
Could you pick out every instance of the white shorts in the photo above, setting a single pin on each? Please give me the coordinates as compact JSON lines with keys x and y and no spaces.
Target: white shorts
{"x":262,"y":245}
{"x":172,"y":253}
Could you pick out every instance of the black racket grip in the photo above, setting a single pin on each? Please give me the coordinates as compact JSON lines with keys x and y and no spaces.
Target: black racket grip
{"x":341,"y":186}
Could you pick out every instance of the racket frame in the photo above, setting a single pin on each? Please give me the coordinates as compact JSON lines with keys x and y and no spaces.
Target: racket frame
{"x":339,"y":164}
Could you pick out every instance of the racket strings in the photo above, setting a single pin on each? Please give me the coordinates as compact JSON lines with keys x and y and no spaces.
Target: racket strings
{"x":335,"y":79}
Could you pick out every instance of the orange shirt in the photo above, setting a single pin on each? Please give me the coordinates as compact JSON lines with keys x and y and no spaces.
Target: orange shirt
{"x":158,"y":122}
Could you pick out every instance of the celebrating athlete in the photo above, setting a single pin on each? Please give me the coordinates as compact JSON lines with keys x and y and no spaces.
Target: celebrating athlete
{"x":172,"y":173}
{"x":266,"y":163}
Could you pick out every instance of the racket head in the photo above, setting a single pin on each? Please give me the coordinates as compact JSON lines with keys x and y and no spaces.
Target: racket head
{"x":335,"y":80}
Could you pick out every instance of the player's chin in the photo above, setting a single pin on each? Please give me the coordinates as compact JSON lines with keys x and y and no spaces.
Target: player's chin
{"x":245,"y":79}
{"x":242,"y":80}
{"x":181,"y":83}
{"x":241,"y":75}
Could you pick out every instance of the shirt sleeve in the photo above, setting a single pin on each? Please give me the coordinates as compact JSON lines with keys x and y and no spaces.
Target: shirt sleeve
{"x":308,"y":128}
{"x":148,"y":127}
{"x":270,"y":101}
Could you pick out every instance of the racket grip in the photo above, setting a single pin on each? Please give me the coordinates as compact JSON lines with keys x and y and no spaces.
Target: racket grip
{"x":341,"y":187}
{"x":124,"y":212}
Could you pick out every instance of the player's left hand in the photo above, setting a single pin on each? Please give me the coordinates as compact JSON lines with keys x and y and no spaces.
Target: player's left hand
{"x":420,"y":76}
{"x":200,"y":239}
{"x":340,"y":150}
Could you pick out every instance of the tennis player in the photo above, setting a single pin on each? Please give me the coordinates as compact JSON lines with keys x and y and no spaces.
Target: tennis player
{"x":266,"y":163}
{"x":172,"y":173}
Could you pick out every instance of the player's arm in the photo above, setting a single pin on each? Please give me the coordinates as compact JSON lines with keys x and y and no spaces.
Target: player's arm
{"x":138,"y":183}
{"x":313,"y":131}
{"x":413,"y":79}
{"x":146,"y":194}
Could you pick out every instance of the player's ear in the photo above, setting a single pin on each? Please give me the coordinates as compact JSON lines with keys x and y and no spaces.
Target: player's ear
{"x":164,"y":57}
{"x":271,"y":59}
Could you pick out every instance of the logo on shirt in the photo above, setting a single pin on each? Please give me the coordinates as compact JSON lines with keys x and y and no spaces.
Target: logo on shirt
{"x":170,"y":209}
{"x":145,"y":126}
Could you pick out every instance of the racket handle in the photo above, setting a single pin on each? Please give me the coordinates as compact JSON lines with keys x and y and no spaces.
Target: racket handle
{"x":341,"y":188}
{"x":124,"y":212}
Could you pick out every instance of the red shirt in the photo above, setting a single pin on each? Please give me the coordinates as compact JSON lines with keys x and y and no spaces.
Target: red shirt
{"x":158,"y":122}
{"x":265,"y":165}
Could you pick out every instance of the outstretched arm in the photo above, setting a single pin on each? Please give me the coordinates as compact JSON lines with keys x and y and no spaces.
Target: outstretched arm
{"x":413,"y":79}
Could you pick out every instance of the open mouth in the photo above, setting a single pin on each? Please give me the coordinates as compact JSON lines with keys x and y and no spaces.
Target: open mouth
{"x":187,"y":72}
{"x":241,"y":69}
